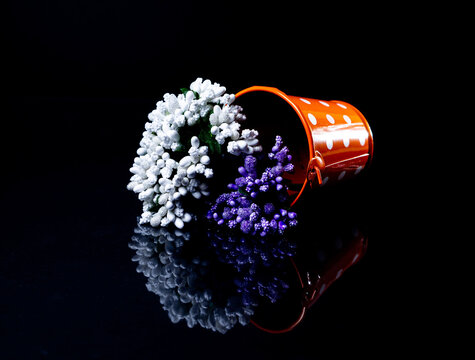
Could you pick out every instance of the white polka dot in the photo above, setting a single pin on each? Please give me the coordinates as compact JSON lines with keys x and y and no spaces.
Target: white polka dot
{"x":329,"y":144}
{"x":346,"y":141}
{"x":341,"y":105}
{"x":305,"y":101}
{"x":358,"y":170}
{"x":312,"y":119}
{"x":325,"y":180}
{"x":330,"y":119}
{"x":323,"y":103}
{"x":362,"y":140}
{"x":347,"y":119}
{"x":342,"y":175}
{"x":338,"y":274}
{"x":355,"y":258}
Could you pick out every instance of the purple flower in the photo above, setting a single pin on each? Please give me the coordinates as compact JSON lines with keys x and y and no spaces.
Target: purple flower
{"x":227,"y":213}
{"x":264,"y":188}
{"x":269,"y":208}
{"x":277,"y":170}
{"x":250,"y":164}
{"x":266,"y":175}
{"x":253,"y":217}
{"x":282,"y":226}
{"x":246,"y":226}
{"x":289,"y":167}
{"x":278,"y":144}
{"x":241,"y":182}
{"x":244,"y":212}
{"x":245,"y":202}
{"x":281,"y":156}
{"x":258,"y":201}
{"x":273,"y":224}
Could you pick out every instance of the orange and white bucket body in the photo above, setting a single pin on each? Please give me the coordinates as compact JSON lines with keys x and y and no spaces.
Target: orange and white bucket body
{"x":340,"y":141}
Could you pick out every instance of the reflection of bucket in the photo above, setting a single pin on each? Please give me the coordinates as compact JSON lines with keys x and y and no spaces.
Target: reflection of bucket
{"x":340,"y":142}
{"x":314,"y":283}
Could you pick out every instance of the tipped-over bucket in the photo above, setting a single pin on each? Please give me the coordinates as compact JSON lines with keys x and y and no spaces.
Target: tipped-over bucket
{"x":340,"y":142}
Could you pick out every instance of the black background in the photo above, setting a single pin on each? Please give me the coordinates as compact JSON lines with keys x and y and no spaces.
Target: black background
{"x":81,"y":77}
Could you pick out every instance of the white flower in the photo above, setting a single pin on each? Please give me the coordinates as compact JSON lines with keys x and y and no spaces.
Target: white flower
{"x":247,"y":144}
{"x":207,"y":91}
{"x":184,"y":286}
{"x":185,"y":176}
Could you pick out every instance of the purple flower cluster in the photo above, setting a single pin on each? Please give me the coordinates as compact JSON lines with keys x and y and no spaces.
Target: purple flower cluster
{"x":258,"y":262}
{"x":257,"y":204}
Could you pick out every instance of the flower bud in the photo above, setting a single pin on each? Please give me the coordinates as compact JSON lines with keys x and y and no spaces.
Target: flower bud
{"x":185,"y":162}
{"x":162,"y":200}
{"x":170,"y":215}
{"x":179,"y":223}
{"x":169,"y":205}
{"x":205,"y":160}
{"x":155,"y":220}
{"x":162,"y":211}
{"x":196,"y":194}
{"x":195,"y":142}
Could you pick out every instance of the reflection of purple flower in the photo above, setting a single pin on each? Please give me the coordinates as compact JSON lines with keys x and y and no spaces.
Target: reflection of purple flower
{"x":260,"y":270}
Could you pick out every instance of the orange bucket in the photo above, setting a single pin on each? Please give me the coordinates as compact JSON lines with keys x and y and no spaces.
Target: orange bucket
{"x":340,"y":142}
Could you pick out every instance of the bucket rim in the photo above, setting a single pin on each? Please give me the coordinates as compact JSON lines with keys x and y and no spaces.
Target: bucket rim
{"x":308,"y":132}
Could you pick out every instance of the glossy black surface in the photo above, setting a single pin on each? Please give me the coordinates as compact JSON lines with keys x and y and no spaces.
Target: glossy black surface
{"x":82,"y":79}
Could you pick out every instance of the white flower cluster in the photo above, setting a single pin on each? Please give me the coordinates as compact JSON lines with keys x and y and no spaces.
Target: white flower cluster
{"x":159,"y":178}
{"x":248,"y":143}
{"x":224,"y":126}
{"x":179,"y":283}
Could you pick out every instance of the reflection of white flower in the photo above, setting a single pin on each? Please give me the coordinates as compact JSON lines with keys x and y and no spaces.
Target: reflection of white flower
{"x":179,"y":282}
{"x":161,"y":173}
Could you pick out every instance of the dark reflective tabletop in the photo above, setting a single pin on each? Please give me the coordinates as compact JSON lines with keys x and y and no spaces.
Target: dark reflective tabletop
{"x":80,"y":279}
{"x":79,"y":276}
